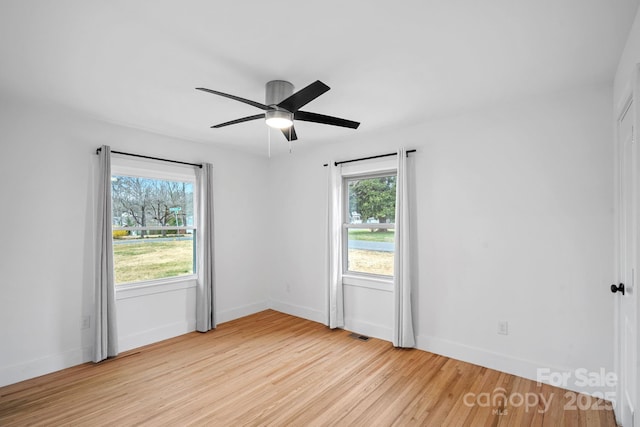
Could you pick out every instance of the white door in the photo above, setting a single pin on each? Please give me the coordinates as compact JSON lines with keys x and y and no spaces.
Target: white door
{"x":626,"y":302}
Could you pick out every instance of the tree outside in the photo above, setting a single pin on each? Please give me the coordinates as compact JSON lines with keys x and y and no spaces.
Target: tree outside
{"x":374,"y":199}
{"x":143,"y":202}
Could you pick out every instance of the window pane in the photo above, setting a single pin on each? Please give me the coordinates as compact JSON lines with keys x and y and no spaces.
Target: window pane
{"x":143,"y":254}
{"x":143,"y":202}
{"x":139,"y":258}
{"x":372,"y":200}
{"x":371,"y":251}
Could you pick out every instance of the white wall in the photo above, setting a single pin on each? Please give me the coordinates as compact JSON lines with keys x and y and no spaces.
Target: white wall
{"x":515,"y":223}
{"x":47,"y":167}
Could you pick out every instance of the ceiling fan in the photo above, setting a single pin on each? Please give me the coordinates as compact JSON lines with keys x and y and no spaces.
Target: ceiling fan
{"x":282,"y":107}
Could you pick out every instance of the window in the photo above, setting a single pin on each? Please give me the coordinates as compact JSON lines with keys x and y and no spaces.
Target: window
{"x":368,"y":227}
{"x":153,"y":224}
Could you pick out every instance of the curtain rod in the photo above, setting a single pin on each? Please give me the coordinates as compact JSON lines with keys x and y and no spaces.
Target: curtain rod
{"x":368,"y":158}
{"x":152,"y":158}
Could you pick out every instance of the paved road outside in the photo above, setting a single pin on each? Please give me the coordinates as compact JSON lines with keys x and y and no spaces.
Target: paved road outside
{"x":353,"y":244}
{"x":371,"y":246}
{"x":155,"y":239}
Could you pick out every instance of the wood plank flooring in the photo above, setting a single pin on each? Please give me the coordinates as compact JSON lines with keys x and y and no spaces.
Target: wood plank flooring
{"x":273,"y":369}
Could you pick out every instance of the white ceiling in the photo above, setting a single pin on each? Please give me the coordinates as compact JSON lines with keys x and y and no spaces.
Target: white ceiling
{"x":389,"y":64}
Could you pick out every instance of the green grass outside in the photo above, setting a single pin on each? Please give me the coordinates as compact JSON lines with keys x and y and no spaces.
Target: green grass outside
{"x":372,"y":236}
{"x":149,"y":260}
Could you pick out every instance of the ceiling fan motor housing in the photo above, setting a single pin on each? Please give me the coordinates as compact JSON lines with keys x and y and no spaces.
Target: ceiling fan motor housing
{"x":277,"y":91}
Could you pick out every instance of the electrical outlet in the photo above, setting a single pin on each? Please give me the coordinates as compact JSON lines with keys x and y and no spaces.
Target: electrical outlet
{"x":86,"y":322}
{"x":503,"y":327}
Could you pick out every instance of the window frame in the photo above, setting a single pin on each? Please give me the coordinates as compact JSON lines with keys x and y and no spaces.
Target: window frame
{"x":358,"y":278}
{"x":151,"y":169}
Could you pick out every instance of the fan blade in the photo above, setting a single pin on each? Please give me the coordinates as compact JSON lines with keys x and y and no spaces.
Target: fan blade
{"x":290,"y":133}
{"x":304,"y":96}
{"x":237,"y":98}
{"x":244,"y":119}
{"x":306,"y":116}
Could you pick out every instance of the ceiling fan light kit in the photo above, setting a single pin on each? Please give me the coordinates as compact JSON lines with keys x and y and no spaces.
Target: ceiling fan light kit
{"x":279,"y":119}
{"x":282,"y":107}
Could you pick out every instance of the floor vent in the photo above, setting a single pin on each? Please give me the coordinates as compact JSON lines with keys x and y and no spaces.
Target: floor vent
{"x":360,"y":337}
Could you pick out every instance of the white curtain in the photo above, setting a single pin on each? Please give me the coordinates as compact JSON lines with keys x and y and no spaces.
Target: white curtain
{"x":336,"y":302}
{"x":106,"y":336}
{"x":403,"y":335}
{"x":205,"y":295}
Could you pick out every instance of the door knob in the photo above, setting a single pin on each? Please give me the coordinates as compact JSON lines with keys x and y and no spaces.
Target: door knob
{"x":619,"y":288}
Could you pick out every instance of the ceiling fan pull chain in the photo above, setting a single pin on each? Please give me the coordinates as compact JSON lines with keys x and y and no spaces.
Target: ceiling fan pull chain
{"x":269,"y":143}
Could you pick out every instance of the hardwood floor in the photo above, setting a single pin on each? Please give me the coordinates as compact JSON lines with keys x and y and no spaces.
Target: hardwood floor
{"x":275,"y":369}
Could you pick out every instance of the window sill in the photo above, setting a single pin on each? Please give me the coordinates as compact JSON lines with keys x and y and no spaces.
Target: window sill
{"x":371,"y":282}
{"x":133,"y":290}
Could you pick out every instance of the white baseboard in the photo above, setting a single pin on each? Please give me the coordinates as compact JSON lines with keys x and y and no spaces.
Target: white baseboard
{"x":478,"y":356}
{"x":368,"y":329}
{"x":353,"y":325}
{"x":180,"y":328}
{"x":299,"y":311}
{"x":504,"y":363}
{"x":151,"y":336}
{"x":45,"y":365}
{"x":238,"y":312}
